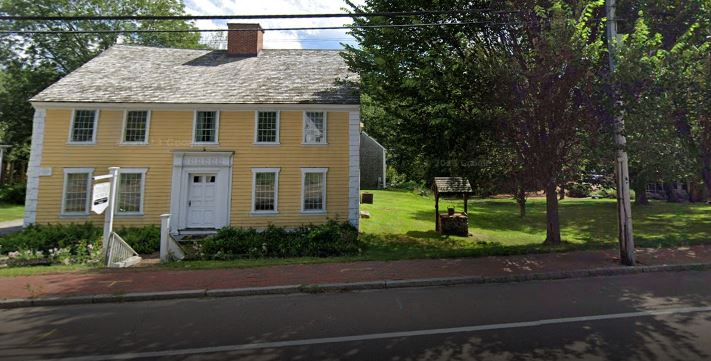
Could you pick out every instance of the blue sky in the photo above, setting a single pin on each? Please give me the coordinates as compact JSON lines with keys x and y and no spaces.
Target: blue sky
{"x":312,"y":39}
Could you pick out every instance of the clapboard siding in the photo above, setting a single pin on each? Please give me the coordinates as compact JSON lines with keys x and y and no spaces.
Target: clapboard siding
{"x":171,"y":131}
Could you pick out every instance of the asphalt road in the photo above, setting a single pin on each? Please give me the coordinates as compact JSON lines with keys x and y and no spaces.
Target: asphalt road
{"x":657,"y":316}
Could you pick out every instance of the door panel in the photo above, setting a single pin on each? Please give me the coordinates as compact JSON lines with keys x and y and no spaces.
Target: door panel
{"x":202,"y":200}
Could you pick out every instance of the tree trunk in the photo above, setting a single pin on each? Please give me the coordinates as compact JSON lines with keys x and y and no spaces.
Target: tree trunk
{"x":706,"y":172}
{"x":552,"y":219}
{"x":520,"y":197}
{"x":640,"y":196}
{"x":561,"y":192}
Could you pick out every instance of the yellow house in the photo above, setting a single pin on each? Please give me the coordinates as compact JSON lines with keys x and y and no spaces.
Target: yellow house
{"x":243,"y":137}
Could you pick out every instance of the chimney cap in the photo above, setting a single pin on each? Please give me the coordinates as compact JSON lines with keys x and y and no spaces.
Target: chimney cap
{"x":256,"y":26}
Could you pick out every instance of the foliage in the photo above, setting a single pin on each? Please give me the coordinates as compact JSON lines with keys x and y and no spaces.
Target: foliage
{"x":144,"y":240}
{"x":579,"y":190}
{"x":13,"y":193}
{"x":330,"y":239}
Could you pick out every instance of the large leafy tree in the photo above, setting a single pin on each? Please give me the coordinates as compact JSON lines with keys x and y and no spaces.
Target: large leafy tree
{"x":30,"y":63}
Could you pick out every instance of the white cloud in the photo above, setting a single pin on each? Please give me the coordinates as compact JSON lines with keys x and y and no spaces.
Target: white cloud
{"x":280,"y":39}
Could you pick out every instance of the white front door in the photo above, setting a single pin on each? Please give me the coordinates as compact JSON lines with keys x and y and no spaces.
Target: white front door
{"x":202,"y":200}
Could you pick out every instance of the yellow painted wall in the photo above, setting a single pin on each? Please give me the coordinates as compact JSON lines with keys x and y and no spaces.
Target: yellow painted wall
{"x":172,"y":130}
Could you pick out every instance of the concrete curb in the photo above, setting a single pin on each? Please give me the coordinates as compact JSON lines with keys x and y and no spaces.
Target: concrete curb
{"x":345,"y":287}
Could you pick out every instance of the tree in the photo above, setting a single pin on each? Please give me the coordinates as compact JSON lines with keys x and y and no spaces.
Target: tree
{"x":32,"y":62}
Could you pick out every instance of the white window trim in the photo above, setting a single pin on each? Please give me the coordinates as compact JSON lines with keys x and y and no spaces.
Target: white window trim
{"x":71,"y":127}
{"x":125,"y":121}
{"x":276,"y":189}
{"x":90,"y":179}
{"x":217,"y":127}
{"x":325,"y":127}
{"x":256,"y":127}
{"x":323,"y":171}
{"x":143,"y":172}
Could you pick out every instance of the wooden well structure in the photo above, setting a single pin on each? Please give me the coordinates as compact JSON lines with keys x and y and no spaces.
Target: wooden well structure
{"x":451,"y":186}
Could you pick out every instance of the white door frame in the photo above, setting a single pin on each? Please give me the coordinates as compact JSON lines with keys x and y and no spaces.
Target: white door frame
{"x":184,"y":163}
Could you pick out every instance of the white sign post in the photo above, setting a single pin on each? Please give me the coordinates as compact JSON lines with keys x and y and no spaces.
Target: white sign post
{"x":110,"y":197}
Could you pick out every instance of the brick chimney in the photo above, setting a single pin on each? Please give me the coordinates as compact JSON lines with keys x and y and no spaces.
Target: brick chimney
{"x":246,"y":42}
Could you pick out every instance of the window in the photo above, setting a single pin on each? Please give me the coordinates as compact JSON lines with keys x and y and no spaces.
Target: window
{"x":130,"y":191}
{"x":83,"y":129}
{"x":135,"y":127}
{"x":77,"y":194}
{"x":313,"y":190}
{"x":265,"y":190}
{"x":267,"y":128}
{"x":206,"y":125}
{"x":314,"y":128}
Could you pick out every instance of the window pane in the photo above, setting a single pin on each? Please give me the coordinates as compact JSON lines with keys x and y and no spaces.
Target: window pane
{"x":267,"y":127}
{"x":83,"y":127}
{"x":129,"y":192}
{"x":264,"y":189}
{"x":205,"y":127}
{"x":136,"y":126}
{"x":313,"y":191}
{"x":76,"y":194}
{"x":315,"y":127}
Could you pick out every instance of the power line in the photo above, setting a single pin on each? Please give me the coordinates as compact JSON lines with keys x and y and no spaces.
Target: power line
{"x":124,"y":31}
{"x":254,"y":17}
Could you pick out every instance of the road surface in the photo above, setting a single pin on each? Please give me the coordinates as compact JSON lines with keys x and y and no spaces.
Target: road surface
{"x":656,"y":316}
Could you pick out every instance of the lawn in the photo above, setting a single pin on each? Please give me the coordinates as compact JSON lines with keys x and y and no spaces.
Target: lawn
{"x":405,"y":221}
{"x":8,"y":212}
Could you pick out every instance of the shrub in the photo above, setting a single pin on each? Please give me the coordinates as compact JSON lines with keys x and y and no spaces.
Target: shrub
{"x":13,"y":193}
{"x":46,"y":237}
{"x":579,"y":190}
{"x":330,"y":239}
{"x":144,"y":240}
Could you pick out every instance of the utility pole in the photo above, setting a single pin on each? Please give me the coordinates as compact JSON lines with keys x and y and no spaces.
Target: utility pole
{"x":624,"y":206}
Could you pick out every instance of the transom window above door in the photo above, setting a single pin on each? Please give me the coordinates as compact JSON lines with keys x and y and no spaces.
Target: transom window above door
{"x":205,"y":127}
{"x":135,"y":128}
{"x":267,"y":128}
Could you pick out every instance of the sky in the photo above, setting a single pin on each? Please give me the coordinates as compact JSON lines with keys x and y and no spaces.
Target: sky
{"x":311,"y":39}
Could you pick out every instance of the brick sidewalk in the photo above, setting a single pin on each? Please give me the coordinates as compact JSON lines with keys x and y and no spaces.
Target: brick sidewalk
{"x":159,"y":280}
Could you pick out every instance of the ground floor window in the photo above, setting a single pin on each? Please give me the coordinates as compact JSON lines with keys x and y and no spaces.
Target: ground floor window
{"x":77,"y":191}
{"x":265,"y":188}
{"x":130,"y":191}
{"x":313,"y":189}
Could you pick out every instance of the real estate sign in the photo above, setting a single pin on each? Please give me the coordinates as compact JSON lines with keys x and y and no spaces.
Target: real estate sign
{"x":100,"y":199}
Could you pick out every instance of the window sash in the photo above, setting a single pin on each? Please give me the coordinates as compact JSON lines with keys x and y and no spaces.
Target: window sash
{"x":83,"y":126}
{"x":76,"y":193}
{"x":314,"y":127}
{"x":130,"y":193}
{"x":136,"y":127}
{"x":265,"y":191}
{"x":267,"y":128}
{"x":205,"y":127}
{"x":314,"y":192}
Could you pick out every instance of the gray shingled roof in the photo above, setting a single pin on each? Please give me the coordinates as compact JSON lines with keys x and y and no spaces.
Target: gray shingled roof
{"x":140,"y":74}
{"x":452,"y":185}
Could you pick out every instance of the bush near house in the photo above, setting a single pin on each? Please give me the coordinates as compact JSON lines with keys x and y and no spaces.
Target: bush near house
{"x":13,"y":193}
{"x":71,"y":243}
{"x":330,"y":239}
{"x":579,"y":190}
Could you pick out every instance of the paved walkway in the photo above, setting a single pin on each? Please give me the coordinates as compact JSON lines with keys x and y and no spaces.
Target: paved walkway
{"x":161,"y":279}
{"x":9,"y":227}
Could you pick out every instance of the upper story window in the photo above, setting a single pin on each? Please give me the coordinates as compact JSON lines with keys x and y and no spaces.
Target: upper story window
{"x":135,"y":127}
{"x":130,"y":191}
{"x":77,"y":193}
{"x":205,"y":127}
{"x":83,"y":129}
{"x":314,"y":127}
{"x":265,"y":190}
{"x":267,"y":128}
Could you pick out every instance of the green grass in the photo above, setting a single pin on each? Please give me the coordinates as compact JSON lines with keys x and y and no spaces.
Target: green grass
{"x":8,"y":212}
{"x":40,"y":270}
{"x":402,"y":227}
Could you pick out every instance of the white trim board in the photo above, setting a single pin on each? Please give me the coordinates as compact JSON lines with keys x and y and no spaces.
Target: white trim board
{"x":354,"y":168}
{"x":33,"y":167}
{"x":193,"y":106}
